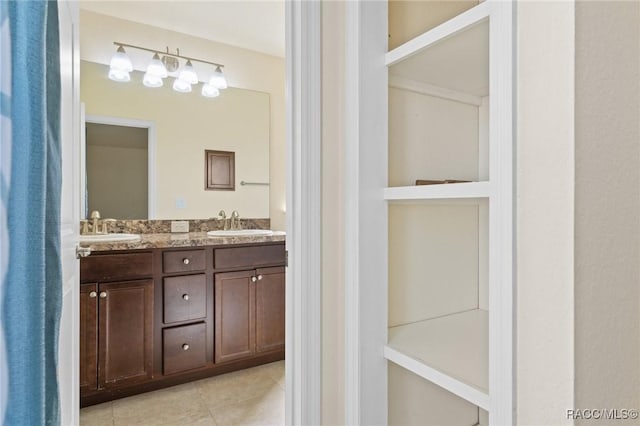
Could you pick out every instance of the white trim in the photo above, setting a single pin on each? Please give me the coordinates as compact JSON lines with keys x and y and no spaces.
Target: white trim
{"x":366,"y":261}
{"x":439,"y":192}
{"x":502,"y":213}
{"x":151,"y":155}
{"x":462,"y":22}
{"x":303,"y":293}
{"x":403,"y":83}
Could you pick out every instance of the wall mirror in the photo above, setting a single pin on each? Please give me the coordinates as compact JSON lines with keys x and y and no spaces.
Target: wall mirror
{"x":145,"y":149}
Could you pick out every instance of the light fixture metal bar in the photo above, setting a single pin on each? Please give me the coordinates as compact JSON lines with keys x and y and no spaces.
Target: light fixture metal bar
{"x":175,"y":55}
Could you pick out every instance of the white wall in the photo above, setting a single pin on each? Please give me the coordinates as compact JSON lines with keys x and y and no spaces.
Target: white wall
{"x":545,"y":213}
{"x":607,"y":206}
{"x":244,"y":69}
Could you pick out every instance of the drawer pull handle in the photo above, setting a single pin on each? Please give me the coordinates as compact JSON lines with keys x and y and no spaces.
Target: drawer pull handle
{"x":259,"y":277}
{"x":185,"y":347}
{"x":185,"y":297}
{"x":254,"y":279}
{"x":93,"y":294}
{"x":103,"y":294}
{"x":186,"y":261}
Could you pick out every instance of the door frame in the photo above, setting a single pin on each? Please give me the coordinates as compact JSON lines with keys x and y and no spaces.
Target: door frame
{"x":151,"y":156}
{"x":304,"y":238}
{"x":303,"y":300}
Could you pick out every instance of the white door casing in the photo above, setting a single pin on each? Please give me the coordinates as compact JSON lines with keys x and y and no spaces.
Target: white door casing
{"x":68,"y":352}
{"x":303,"y":293}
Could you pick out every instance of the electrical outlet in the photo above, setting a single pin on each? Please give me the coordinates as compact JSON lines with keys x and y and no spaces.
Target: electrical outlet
{"x":179,"y":226}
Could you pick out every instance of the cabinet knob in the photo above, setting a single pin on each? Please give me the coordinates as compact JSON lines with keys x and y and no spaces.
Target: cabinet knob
{"x":185,"y":297}
{"x":254,"y":279}
{"x":103,"y":294}
{"x":259,"y":277}
{"x":185,"y":347}
{"x":186,"y":261}
{"x":93,"y":294}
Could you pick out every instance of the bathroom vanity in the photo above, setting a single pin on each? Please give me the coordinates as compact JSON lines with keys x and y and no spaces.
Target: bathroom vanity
{"x":169,"y":309}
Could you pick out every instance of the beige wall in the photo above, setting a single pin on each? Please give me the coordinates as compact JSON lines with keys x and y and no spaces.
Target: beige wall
{"x":332,"y":218}
{"x":119,"y":192}
{"x":244,"y":69}
{"x":545,"y":213}
{"x":607,"y":206}
{"x":186,"y":126}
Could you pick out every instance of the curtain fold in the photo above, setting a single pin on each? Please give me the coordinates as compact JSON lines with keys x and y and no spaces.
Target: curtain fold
{"x":32,"y":290}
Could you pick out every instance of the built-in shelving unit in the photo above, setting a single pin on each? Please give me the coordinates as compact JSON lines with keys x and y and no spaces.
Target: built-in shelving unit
{"x":449,"y":110}
{"x":438,"y":192}
{"x":438,"y":350}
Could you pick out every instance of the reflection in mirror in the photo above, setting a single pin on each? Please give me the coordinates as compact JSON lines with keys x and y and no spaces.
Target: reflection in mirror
{"x":117,"y":191}
{"x":182,"y":127}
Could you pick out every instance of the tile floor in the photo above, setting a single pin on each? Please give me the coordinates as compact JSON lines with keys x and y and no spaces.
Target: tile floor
{"x":249,"y":397}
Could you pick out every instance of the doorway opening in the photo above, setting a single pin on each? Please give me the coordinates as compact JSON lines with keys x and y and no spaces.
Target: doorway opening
{"x":117,"y":171}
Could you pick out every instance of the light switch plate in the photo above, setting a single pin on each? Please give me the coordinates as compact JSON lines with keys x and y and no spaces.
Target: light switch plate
{"x":179,"y":226}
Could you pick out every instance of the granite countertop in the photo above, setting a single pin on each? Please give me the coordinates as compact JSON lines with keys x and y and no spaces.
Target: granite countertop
{"x":191,"y":239}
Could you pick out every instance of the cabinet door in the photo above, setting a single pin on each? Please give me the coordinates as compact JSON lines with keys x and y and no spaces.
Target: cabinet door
{"x":125,"y":332}
{"x":270,"y":302}
{"x":235,"y":315}
{"x":88,"y":338}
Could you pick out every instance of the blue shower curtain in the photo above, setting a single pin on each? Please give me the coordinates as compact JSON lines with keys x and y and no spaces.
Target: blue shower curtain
{"x":31,"y":291}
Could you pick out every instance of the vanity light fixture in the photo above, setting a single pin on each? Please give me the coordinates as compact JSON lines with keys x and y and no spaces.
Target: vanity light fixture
{"x":181,"y":86}
{"x":120,"y":66}
{"x":209,"y":91}
{"x":164,"y":63}
{"x":188,"y":74}
{"x":151,"y":80}
{"x":218,"y":79}
{"x":156,"y":67}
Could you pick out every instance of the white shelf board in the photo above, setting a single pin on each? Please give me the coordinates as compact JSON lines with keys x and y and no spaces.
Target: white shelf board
{"x":439,"y":192}
{"x":451,"y":352}
{"x":453,"y":55}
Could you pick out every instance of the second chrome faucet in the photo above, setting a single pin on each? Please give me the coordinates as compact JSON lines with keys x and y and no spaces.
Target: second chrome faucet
{"x":234,"y":220}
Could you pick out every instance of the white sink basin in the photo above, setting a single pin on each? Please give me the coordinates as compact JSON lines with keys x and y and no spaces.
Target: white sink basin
{"x":103,"y":238}
{"x":241,"y":233}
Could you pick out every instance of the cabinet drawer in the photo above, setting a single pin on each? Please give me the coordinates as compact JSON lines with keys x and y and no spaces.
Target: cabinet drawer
{"x":183,"y":261}
{"x":252,"y":257}
{"x":185,"y":298}
{"x":116,"y":266}
{"x":184,"y":348}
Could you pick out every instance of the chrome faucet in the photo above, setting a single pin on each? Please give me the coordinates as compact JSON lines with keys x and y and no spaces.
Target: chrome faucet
{"x":235,"y":220}
{"x":95,"y":224}
{"x":223,"y":217}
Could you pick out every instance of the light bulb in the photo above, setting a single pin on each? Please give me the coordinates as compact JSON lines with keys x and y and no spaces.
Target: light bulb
{"x":119,"y":75}
{"x":120,"y":61}
{"x":188,"y":74}
{"x":156,"y":67}
{"x":218,"y":79}
{"x":181,"y":86}
{"x":151,"y":80}
{"x":210,"y":91}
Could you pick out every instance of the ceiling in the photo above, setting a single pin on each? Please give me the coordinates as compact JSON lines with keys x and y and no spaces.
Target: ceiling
{"x":256,"y":25}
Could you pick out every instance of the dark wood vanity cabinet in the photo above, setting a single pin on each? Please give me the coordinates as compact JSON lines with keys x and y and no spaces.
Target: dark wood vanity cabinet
{"x":88,"y":338}
{"x":270,"y":302}
{"x":116,"y":334}
{"x":249,"y":312}
{"x":155,"y":318}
